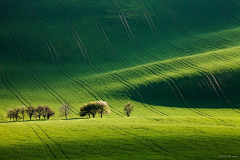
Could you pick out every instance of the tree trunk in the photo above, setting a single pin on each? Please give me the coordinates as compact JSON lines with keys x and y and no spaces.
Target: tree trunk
{"x":39,"y":117}
{"x":89,"y":116}
{"x":10,"y":119}
{"x":30,"y":118}
{"x":93,"y":115}
{"x":101,"y":114}
{"x":23,"y":118}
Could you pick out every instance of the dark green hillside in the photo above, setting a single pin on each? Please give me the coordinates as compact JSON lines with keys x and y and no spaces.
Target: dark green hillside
{"x":157,"y":54}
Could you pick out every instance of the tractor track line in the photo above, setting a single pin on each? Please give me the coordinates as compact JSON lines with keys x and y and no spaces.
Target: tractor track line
{"x":67,"y":74}
{"x":11,"y":89}
{"x":190,"y":107}
{"x":36,"y":77}
{"x":130,"y":34}
{"x":138,"y":94}
{"x":43,"y":141}
{"x":73,"y":30}
{"x":53,"y":141}
{"x":216,"y":82}
{"x":104,"y":36}
{"x":154,"y":144}
{"x":224,"y":10}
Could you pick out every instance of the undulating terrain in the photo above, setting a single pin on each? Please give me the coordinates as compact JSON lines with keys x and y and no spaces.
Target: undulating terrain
{"x":178,"y":62}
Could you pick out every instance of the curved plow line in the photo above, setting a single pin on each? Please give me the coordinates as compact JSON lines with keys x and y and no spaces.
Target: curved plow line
{"x":13,"y":89}
{"x":190,"y":107}
{"x":53,"y":141}
{"x":44,"y":142}
{"x":175,"y":20}
{"x":194,"y":109}
{"x":126,"y":83}
{"x":235,"y":4}
{"x":214,"y":79}
{"x":73,"y":30}
{"x":146,"y":140}
{"x":97,"y":94}
{"x":67,"y":74}
{"x":31,"y":70}
{"x":206,"y":42}
{"x":220,"y":57}
{"x":161,"y":40}
{"x":73,"y":78}
{"x":116,"y":129}
{"x":224,"y":10}
{"x":157,"y":34}
{"x":108,"y":43}
{"x":169,"y":84}
{"x":199,"y":17}
{"x":209,"y":43}
{"x":184,"y":33}
{"x":217,"y":85}
{"x":132,"y":37}
{"x":135,"y":95}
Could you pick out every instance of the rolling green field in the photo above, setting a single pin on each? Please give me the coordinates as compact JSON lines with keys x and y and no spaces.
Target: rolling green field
{"x":177,"y":62}
{"x":179,"y":137}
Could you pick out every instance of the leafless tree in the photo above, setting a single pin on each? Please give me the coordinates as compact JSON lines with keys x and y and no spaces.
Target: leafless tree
{"x":16,"y":113}
{"x":65,"y":110}
{"x":30,"y":111}
{"x":39,"y":112}
{"x":22,"y":111}
{"x":10,"y":113}
{"x":128,"y":109}
{"x":47,"y":112}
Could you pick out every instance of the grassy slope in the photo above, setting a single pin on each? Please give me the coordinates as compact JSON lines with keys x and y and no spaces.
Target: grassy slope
{"x":117,"y":138}
{"x":59,"y":51}
{"x":167,"y":58}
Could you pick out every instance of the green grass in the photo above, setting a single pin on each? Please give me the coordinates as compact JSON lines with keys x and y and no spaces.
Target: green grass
{"x":179,"y":137}
{"x":176,"y":62}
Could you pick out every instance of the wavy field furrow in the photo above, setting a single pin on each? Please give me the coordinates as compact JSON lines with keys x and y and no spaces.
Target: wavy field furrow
{"x":168,"y":58}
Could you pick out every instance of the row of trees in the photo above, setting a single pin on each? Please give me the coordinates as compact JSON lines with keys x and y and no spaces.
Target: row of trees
{"x":89,"y":109}
{"x":20,"y":112}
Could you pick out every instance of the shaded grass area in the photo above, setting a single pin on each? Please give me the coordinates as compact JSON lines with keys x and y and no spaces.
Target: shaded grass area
{"x":151,"y":53}
{"x":183,"y":137}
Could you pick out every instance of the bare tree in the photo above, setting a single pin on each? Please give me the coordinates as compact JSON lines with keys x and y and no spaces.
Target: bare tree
{"x":10,"y":113}
{"x":30,"y":111}
{"x":16,"y":113}
{"x":47,"y":112}
{"x":44,"y":111}
{"x":39,"y":112}
{"x":50,"y":113}
{"x":65,"y":110}
{"x":128,"y":109}
{"x":22,"y":111}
